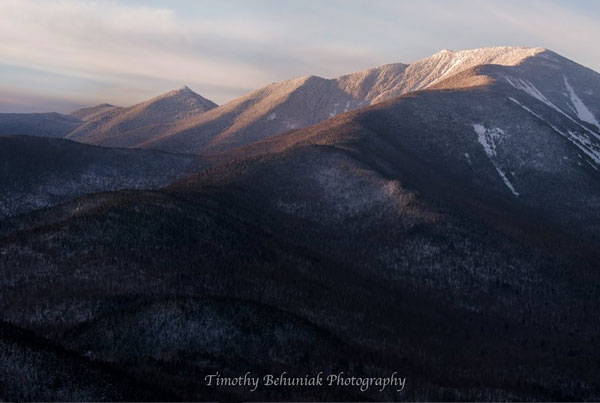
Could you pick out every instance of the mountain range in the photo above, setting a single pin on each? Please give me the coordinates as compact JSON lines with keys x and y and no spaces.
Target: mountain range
{"x":440,"y":219}
{"x":183,"y":121}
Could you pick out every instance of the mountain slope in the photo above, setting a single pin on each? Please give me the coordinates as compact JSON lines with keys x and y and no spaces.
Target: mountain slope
{"x":92,"y":113}
{"x":527,"y":134}
{"x":392,"y":280}
{"x":38,"y":124}
{"x":40,"y":172}
{"x":31,"y":369}
{"x":128,"y":127}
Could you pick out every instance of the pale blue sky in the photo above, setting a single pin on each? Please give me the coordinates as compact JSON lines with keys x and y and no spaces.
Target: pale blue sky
{"x":63,"y":54}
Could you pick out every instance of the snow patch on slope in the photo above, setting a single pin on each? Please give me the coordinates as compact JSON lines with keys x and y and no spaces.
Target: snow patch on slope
{"x":488,"y":139}
{"x":506,"y":181}
{"x":582,"y":142}
{"x":347,"y":107}
{"x":583,"y":113}
{"x":530,"y":89}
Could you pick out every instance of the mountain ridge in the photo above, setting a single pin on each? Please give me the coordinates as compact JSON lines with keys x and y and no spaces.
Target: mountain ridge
{"x":310,"y":99}
{"x":51,"y":124}
{"x":41,"y":172}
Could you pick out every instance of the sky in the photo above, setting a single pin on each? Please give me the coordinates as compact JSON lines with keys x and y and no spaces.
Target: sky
{"x":59,"y":55}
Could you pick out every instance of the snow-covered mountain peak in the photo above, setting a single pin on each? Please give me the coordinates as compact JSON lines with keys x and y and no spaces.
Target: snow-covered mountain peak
{"x":445,"y":63}
{"x":189,"y":99}
{"x":443,"y":51}
{"x":183,"y":90}
{"x":118,"y":123}
{"x":503,"y":55}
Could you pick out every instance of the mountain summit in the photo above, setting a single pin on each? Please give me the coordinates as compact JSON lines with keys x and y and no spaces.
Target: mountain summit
{"x":127,"y":127}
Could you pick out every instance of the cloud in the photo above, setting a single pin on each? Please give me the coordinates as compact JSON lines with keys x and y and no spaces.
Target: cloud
{"x":112,"y":42}
{"x":123,"y":52}
{"x":23,"y":102}
{"x":560,"y":26}
{"x":127,"y":46}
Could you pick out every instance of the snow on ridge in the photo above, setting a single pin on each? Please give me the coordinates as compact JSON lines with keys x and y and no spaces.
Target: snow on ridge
{"x":447,"y":62}
{"x":531,"y":89}
{"x":577,"y":139}
{"x":503,"y":55}
{"x":488,"y":139}
{"x":583,"y":113}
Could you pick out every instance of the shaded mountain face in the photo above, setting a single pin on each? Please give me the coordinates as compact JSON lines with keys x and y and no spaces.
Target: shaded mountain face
{"x":449,"y":234}
{"x":308,"y":100}
{"x":38,"y":124}
{"x":128,"y":127}
{"x":321,"y":257}
{"x":31,"y":369}
{"x":40,"y":172}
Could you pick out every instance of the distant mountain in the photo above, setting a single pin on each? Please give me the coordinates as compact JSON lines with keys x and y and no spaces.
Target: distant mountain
{"x":38,"y":124}
{"x":92,"y":113}
{"x":308,"y":100}
{"x":40,"y":172}
{"x":128,"y":127}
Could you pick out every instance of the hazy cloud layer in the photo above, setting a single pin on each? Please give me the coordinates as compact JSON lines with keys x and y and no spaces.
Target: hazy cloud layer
{"x":58,"y":54}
